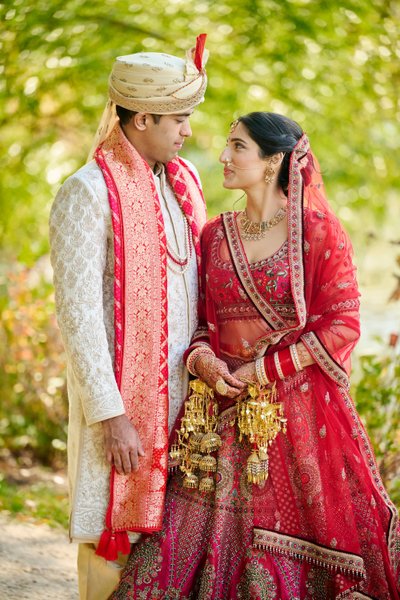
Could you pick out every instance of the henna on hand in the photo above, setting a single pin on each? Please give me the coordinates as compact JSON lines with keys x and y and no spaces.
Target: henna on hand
{"x":210,"y":369}
{"x":247,"y":372}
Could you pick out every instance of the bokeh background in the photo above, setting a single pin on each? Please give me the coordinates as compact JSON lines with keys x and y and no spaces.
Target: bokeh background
{"x":333,"y":67}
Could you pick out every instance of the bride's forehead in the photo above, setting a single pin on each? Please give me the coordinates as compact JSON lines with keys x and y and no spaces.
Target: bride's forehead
{"x":239,"y":133}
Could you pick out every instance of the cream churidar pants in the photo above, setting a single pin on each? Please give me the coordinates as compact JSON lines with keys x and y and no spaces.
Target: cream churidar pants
{"x":97,"y":577}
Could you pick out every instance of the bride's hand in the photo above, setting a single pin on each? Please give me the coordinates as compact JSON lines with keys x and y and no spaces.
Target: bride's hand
{"x":215,"y":373}
{"x":246,"y":372}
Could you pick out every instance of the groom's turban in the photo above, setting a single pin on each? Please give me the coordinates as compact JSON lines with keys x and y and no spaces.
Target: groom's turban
{"x":159,"y":83}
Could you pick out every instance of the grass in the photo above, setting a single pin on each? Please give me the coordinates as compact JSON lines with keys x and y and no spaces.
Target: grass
{"x":44,"y":500}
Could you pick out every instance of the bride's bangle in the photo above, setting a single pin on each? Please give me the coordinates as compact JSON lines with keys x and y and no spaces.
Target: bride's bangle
{"x":283,"y":363}
{"x":295,"y":358}
{"x":260,"y":372}
{"x":194,"y":355}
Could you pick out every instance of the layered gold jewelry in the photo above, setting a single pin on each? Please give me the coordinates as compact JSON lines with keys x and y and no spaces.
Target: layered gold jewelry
{"x":260,"y":419}
{"x":257,"y":231}
{"x":221,"y":387}
{"x":197,"y":438}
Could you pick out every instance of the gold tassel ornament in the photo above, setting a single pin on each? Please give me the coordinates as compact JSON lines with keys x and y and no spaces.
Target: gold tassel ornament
{"x":260,"y":419}
{"x":197,"y":438}
{"x":190,"y":481}
{"x":207,"y":484}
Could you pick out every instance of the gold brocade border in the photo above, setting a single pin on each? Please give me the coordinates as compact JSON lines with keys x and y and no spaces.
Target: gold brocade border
{"x":392,"y":533}
{"x":312,"y":553}
{"x":324,"y":360}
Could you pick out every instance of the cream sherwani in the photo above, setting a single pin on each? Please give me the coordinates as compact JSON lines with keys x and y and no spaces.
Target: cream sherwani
{"x":83,"y":261}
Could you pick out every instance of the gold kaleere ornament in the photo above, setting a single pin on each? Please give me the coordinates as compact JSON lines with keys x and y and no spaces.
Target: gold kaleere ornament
{"x":260,"y":419}
{"x":197,"y":438}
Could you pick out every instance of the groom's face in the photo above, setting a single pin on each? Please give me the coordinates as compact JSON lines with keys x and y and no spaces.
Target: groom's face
{"x":164,"y":136}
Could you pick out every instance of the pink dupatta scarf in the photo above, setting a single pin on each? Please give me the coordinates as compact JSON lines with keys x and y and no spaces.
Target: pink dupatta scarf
{"x":141,"y":329}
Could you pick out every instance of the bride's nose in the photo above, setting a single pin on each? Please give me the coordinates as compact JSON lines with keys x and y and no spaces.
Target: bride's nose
{"x":224,"y":158}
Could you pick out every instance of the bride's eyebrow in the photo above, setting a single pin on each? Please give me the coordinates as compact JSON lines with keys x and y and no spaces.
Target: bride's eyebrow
{"x":236,"y":140}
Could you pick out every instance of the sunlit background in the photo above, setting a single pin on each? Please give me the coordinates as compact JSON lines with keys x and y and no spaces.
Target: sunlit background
{"x":333,"y":67}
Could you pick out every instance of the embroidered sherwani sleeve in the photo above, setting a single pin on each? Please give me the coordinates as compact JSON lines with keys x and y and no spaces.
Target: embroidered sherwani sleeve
{"x":79,"y":229}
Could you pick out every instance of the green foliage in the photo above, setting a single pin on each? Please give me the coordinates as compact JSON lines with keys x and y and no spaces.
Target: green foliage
{"x":333,"y":67}
{"x":377,"y":397}
{"x":33,"y":408}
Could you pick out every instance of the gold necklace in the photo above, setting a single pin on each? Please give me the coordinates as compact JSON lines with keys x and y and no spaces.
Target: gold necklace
{"x":256,"y":231}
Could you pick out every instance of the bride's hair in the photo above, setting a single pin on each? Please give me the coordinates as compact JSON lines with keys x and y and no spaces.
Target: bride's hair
{"x":273,"y":133}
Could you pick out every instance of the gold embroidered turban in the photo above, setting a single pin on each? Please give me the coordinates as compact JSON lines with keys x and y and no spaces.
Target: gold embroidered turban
{"x":156,"y":83}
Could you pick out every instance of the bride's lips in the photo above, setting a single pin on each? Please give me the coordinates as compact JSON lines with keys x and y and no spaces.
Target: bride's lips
{"x":227,"y":172}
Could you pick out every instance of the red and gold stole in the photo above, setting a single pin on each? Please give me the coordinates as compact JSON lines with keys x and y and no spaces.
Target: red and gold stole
{"x":141,"y":328}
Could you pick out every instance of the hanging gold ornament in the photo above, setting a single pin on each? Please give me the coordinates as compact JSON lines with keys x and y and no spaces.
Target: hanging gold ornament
{"x":260,"y":419}
{"x":210,"y":442}
{"x":190,"y":481}
{"x":208,"y":463}
{"x":253,"y":468}
{"x":207,"y":484}
{"x":197,"y":437}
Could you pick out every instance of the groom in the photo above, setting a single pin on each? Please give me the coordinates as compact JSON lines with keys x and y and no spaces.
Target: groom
{"x":124,"y":234}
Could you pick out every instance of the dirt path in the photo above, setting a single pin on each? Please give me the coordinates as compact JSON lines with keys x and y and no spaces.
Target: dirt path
{"x":36,"y":562}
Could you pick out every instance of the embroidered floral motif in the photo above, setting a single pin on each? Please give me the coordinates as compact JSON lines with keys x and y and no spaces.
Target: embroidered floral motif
{"x":319,"y":585}
{"x":313,"y":318}
{"x":256,"y":582}
{"x":346,"y":305}
{"x":211,"y":326}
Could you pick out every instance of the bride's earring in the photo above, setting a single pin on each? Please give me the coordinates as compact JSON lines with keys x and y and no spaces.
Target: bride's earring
{"x":271,"y":169}
{"x":269,"y":173}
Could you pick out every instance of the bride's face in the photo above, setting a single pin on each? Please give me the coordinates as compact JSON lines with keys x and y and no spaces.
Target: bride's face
{"x":243,"y":167}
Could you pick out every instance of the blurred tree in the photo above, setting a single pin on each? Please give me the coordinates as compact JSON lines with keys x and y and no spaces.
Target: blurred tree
{"x":334,"y":68}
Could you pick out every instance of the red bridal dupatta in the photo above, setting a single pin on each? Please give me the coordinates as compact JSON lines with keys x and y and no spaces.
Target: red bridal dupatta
{"x":323,"y":503}
{"x":141,"y":334}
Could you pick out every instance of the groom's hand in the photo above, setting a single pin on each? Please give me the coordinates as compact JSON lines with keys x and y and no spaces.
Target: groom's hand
{"x":122,"y":444}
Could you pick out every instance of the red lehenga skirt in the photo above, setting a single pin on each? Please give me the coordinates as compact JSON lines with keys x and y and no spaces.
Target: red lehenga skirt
{"x":242,"y":541}
{"x":321,"y":527}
